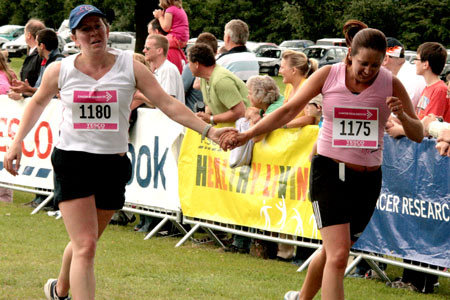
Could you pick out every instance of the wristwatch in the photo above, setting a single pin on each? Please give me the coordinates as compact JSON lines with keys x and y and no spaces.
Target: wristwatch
{"x":211,"y":120}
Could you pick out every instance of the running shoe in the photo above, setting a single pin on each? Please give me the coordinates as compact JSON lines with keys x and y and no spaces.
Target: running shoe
{"x":50,"y":291}
{"x":292,"y":295}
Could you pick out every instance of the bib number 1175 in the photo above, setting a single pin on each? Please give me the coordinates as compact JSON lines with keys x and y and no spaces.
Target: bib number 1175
{"x":354,"y":128}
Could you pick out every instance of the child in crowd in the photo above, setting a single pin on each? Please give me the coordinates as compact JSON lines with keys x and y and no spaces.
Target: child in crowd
{"x":430,"y":61}
{"x":174,"y":20}
{"x":6,"y":77}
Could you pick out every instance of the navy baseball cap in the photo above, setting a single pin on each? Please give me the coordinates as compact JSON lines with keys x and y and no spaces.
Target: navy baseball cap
{"x":79,"y":12}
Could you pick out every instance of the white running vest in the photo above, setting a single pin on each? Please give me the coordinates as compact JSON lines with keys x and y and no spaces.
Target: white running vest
{"x":96,"y":112}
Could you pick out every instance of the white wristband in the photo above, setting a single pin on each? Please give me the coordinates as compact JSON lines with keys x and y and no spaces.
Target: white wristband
{"x":436,"y":127}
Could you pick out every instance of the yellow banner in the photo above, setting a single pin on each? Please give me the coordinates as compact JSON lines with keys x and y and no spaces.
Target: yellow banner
{"x":271,"y":194}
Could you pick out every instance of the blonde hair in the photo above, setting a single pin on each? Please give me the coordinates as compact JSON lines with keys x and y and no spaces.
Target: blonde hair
{"x":141,"y":58}
{"x":5,"y":67}
{"x":263,"y":88}
{"x":165,"y":4}
{"x":301,"y":62}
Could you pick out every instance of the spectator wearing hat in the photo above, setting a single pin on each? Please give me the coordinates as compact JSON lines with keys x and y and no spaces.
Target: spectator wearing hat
{"x":395,"y":62}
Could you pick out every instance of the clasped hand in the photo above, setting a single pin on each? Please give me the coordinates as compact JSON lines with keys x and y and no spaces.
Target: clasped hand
{"x":232,"y":139}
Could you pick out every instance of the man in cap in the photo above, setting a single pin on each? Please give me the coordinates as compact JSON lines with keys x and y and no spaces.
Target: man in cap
{"x":395,"y":62}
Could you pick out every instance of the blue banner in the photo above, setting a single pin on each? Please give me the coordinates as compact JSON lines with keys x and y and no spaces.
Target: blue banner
{"x":412,"y":218}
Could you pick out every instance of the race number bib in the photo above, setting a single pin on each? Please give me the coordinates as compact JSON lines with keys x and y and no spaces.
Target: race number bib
{"x":355,"y":127}
{"x":95,"y":110}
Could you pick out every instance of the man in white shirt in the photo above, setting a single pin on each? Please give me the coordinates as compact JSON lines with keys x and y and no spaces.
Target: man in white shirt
{"x":238,"y":59}
{"x":395,"y":62}
{"x":167,"y":74}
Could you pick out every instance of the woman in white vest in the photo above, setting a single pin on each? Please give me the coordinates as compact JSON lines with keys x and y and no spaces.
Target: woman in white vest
{"x":90,"y":164}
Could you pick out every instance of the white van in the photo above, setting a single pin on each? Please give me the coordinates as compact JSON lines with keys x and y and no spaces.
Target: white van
{"x":331,"y":42}
{"x":121,"y":40}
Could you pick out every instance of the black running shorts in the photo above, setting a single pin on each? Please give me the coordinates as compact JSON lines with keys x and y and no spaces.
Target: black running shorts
{"x":336,"y":202}
{"x":80,"y":174}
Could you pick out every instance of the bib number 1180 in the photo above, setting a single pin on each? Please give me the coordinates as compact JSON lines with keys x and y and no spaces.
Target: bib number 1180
{"x":95,"y":111}
{"x":352,"y":128}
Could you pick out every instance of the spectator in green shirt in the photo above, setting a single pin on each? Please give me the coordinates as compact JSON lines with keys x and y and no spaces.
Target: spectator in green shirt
{"x":224,"y":94}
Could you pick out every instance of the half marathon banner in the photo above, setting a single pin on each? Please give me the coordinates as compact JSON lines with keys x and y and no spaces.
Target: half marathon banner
{"x":35,"y":166}
{"x":271,"y":194}
{"x":412,"y":218}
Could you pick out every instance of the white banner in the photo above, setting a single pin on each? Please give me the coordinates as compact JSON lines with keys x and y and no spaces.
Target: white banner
{"x":35,"y":167}
{"x":153,"y":150}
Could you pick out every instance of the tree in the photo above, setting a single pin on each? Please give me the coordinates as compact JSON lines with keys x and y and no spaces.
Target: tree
{"x":143,"y":14}
{"x":425,"y":21}
{"x":383,"y":15}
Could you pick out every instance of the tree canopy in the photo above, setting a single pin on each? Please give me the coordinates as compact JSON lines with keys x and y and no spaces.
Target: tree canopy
{"x":411,"y":21}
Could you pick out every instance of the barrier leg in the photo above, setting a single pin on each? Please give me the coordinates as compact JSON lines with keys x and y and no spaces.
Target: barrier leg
{"x":377,"y":270}
{"x":214,"y":237}
{"x":188,"y":235}
{"x":308,"y":261}
{"x":40,"y":206}
{"x":157,"y":228}
{"x":352,"y":265}
{"x":180,"y":228}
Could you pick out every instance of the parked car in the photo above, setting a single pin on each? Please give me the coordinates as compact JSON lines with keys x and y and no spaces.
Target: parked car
{"x":70,"y":48}
{"x":17,"y":47}
{"x":446,"y":71}
{"x":410,"y":55}
{"x":3,"y":40}
{"x":122,"y":41}
{"x":296,"y":45}
{"x":191,"y":42}
{"x":117,"y":40}
{"x":269,"y":60}
{"x":332,"y":42}
{"x":64,"y":26}
{"x":258,"y":47}
{"x":11,"y":32}
{"x":326,"y":55}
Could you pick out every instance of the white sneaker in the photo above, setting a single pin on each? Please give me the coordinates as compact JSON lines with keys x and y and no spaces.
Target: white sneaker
{"x":292,"y":295}
{"x":50,"y":290}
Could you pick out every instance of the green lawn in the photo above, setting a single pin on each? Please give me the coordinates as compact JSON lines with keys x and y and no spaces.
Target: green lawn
{"x":16,"y":64}
{"x":128,"y":267}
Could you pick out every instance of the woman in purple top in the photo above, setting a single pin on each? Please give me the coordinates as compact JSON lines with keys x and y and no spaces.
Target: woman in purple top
{"x":345,"y":180}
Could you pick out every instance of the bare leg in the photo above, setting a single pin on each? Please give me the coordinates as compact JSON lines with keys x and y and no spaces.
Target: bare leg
{"x":313,"y":280}
{"x":336,"y":242}
{"x":63,"y":284}
{"x":84,"y":224}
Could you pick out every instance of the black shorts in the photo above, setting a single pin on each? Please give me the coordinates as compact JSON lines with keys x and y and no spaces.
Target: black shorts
{"x":339,"y":202}
{"x":80,"y":174}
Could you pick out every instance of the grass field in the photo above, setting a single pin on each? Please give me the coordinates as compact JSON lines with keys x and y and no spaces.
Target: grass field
{"x":127,"y":267}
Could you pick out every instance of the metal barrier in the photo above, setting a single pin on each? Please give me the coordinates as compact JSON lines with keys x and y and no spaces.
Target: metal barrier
{"x":48,"y":193}
{"x":371,"y":258}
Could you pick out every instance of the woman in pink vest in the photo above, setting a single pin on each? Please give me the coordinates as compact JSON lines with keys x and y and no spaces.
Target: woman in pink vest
{"x":345,"y":180}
